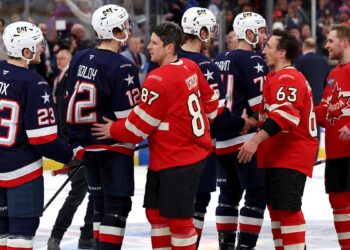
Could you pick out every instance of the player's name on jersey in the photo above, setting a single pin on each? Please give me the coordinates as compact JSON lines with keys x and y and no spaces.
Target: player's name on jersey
{"x":3,"y":88}
{"x":87,"y":72}
{"x":223,"y":65}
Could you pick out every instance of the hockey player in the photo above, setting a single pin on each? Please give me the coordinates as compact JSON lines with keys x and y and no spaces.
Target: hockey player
{"x":104,"y":83}
{"x":199,"y":26}
{"x":333,"y":114}
{"x":28,"y":131}
{"x":287,"y":141}
{"x":176,"y":103}
{"x":243,"y":71}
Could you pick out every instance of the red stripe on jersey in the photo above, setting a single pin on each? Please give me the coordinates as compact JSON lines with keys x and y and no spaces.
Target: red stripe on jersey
{"x":113,"y":239}
{"x":255,"y":108}
{"x":96,"y":234}
{"x":3,"y":247}
{"x":344,"y":244}
{"x":42,"y":139}
{"x":293,"y":238}
{"x":21,"y":180}
{"x":228,"y":150}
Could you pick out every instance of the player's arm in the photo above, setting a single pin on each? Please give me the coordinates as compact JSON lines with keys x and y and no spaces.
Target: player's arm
{"x":283,"y":115}
{"x":41,"y":125}
{"x":209,"y":97}
{"x":142,"y":120}
{"x":321,"y":109}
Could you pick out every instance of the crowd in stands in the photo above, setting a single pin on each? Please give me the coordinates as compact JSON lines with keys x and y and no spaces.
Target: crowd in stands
{"x":69,"y":26}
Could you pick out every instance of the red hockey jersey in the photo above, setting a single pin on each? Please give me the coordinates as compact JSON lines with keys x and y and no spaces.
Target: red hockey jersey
{"x":333,"y":111}
{"x":176,"y":103}
{"x":287,"y":99}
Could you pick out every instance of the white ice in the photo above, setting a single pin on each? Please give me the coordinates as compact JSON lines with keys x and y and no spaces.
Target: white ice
{"x":317,"y":211}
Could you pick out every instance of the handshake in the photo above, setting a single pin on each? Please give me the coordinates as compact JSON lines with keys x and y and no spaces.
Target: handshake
{"x":249,"y":122}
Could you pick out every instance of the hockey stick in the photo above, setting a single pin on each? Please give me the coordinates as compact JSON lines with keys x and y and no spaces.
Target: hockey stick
{"x":74,"y":169}
{"x":67,"y":169}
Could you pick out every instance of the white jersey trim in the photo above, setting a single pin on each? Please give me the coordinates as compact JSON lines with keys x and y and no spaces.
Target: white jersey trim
{"x":122,"y":114}
{"x":21,"y":171}
{"x":164,"y":126}
{"x":250,"y":220}
{"x":226,"y":219}
{"x":254,"y":101}
{"x":133,"y":129}
{"x":33,"y":133}
{"x":234,"y":141}
{"x":288,"y":117}
{"x":293,"y":229}
{"x":146,"y":117}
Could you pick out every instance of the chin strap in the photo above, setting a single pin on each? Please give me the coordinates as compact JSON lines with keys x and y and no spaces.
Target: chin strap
{"x":122,"y":41}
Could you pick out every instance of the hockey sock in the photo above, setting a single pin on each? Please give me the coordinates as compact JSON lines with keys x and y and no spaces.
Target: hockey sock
{"x":226,"y":218}
{"x":292,"y":229}
{"x":160,"y":231}
{"x":97,"y":218}
{"x":183,"y":234}
{"x":4,"y":230}
{"x":112,"y":229}
{"x":202,"y":201}
{"x":3,"y":241}
{"x":18,"y":242}
{"x":340,"y":203}
{"x":250,"y":222}
{"x":276,"y":229}
{"x":251,"y":217}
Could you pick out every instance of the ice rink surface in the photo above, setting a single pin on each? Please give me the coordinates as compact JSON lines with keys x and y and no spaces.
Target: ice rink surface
{"x":317,"y":211}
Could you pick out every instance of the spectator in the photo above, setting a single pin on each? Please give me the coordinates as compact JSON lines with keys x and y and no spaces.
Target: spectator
{"x":79,"y":37}
{"x":296,"y":16}
{"x":231,"y":40}
{"x":307,"y":63}
{"x":44,"y":68}
{"x":305,"y":31}
{"x":134,"y":54}
{"x":3,"y":55}
{"x":343,"y":14}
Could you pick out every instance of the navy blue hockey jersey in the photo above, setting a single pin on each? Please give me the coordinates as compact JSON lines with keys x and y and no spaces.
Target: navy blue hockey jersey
{"x":28,"y":126}
{"x":244,"y":73}
{"x":100,"y":83}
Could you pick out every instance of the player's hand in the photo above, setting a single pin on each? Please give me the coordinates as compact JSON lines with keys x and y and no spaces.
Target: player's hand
{"x":102,"y":130}
{"x":249,"y":122}
{"x":344,"y":133}
{"x":247,"y":151}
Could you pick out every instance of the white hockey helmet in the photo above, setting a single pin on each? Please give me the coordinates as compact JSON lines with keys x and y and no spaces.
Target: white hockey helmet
{"x":248,"y":21}
{"x":108,"y":17}
{"x":22,"y":35}
{"x":195,"y":18}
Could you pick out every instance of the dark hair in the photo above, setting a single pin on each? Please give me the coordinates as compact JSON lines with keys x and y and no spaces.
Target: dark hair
{"x":287,"y":42}
{"x":169,"y":32}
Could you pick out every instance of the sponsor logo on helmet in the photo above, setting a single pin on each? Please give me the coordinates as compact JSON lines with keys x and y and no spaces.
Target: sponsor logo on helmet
{"x":107,"y":11}
{"x":21,"y":29}
{"x":201,"y":12}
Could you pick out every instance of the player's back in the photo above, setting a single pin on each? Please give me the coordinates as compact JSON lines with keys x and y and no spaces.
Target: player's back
{"x":21,"y":91}
{"x":102,"y":83}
